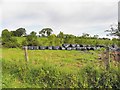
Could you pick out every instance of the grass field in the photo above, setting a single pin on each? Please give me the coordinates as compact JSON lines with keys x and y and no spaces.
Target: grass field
{"x":55,"y":68}
{"x":45,"y":42}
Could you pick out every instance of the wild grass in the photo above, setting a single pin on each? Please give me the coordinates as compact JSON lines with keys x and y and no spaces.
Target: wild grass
{"x":56,"y":69}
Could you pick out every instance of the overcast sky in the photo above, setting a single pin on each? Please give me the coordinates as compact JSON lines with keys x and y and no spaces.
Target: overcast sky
{"x":70,"y":16}
{"x":119,"y":11}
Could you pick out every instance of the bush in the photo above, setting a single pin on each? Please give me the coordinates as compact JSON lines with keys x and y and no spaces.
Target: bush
{"x":94,"y":77}
{"x":11,"y":43}
{"x":49,"y":76}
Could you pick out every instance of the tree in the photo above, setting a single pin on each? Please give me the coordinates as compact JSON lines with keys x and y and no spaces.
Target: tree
{"x":33,"y":33}
{"x":19,"y":32}
{"x":6,"y":34}
{"x":69,"y":38}
{"x":114,"y":30}
{"x":51,"y":39}
{"x":46,"y":32}
{"x":85,"y":35}
{"x":42,"y":33}
{"x":14,"y":33}
{"x":31,"y":39}
{"x":96,"y":36}
{"x":61,"y":36}
{"x":8,"y":40}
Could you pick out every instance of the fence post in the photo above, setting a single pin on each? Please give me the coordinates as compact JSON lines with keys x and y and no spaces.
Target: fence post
{"x":107,"y":58}
{"x":26,"y":54}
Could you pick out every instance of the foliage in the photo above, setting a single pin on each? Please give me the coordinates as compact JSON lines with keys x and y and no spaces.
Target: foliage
{"x":85,"y":35}
{"x":96,"y":36}
{"x":94,"y":77}
{"x":69,"y":38}
{"x":61,"y":36}
{"x":31,"y":39}
{"x":6,"y":34}
{"x":46,"y":32}
{"x":46,"y":41}
{"x":53,"y":40}
{"x":8,"y":40}
{"x":49,"y":39}
{"x":19,"y":32}
{"x":114,"y":30}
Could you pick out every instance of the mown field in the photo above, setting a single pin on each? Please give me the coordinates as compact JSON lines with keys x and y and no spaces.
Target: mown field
{"x":57,"y":69}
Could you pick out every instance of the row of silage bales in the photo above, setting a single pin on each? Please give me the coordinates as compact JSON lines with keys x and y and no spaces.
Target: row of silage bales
{"x":66,"y":47}
{"x":36,"y":47}
{"x":87,"y":47}
{"x":53,"y":48}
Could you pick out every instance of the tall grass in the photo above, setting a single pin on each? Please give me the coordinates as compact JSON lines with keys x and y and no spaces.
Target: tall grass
{"x":56,"y":69}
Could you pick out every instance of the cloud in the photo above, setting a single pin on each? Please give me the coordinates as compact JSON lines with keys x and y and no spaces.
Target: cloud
{"x":73,"y":17}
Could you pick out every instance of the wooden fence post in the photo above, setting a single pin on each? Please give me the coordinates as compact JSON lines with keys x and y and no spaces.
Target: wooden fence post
{"x":107,"y":58}
{"x":26,"y":54}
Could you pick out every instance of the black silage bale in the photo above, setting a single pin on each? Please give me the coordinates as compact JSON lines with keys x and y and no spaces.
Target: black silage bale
{"x":91,"y":48}
{"x":72,"y":45}
{"x":78,"y":48}
{"x":62,"y":48}
{"x":65,"y":45}
{"x":50,"y":47}
{"x":56,"y":47}
{"x":101,"y":46}
{"x":83,"y":48}
{"x":30,"y":47}
{"x":81,"y":45}
{"x":88,"y":48}
{"x":35,"y":47}
{"x":94,"y":48}
{"x":42,"y":47}
{"x":118,"y":50}
{"x":73,"y":48}
{"x":77,"y":45}
{"x":68,"y":48}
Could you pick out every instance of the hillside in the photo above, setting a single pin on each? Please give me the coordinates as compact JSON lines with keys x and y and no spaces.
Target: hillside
{"x":44,"y":41}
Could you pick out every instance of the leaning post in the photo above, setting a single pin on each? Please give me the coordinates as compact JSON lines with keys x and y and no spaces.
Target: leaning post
{"x":26,"y":53}
{"x":107,"y":58}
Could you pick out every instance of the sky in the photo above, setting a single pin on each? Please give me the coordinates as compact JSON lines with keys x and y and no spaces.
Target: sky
{"x":69,"y":16}
{"x":119,"y":11}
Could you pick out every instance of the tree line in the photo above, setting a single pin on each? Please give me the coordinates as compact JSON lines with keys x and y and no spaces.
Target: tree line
{"x":46,"y":37}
